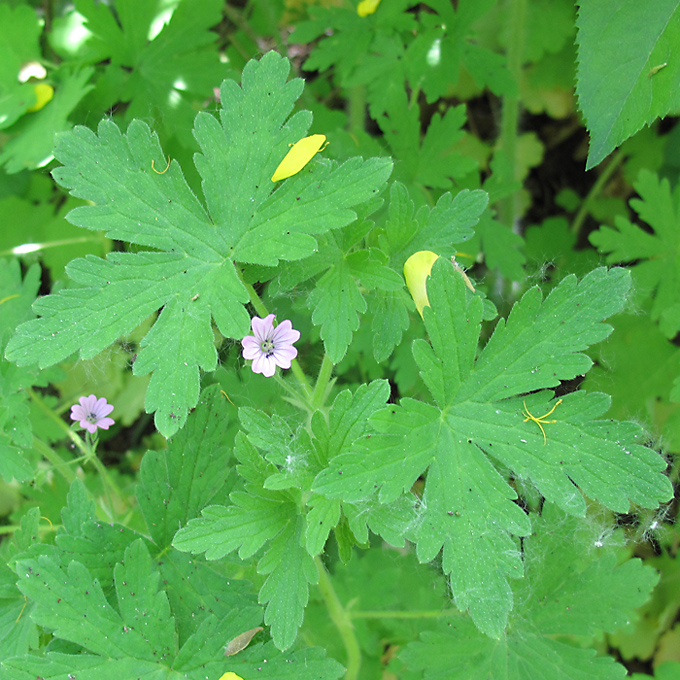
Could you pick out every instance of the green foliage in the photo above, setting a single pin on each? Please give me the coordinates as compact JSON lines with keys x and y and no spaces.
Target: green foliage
{"x":435,"y":496}
{"x":467,"y":508}
{"x":572,"y":585}
{"x":118,"y":603}
{"x":16,"y":436}
{"x":624,"y":84}
{"x":655,"y":267}
{"x":269,"y":509}
{"x":191,"y":274}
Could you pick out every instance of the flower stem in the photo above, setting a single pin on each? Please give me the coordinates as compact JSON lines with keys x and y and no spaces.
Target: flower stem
{"x":109,"y":484}
{"x":75,"y":438}
{"x":86,"y":448}
{"x":415,"y":614}
{"x":604,"y":177}
{"x":319,"y":393}
{"x":508,"y":206}
{"x":58,"y":463}
{"x":342,"y":621}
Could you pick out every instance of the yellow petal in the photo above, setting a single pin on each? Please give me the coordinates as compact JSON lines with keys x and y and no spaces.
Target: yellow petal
{"x":231,"y":676}
{"x":43,"y":93}
{"x":416,"y":270}
{"x":367,"y":7}
{"x":299,"y":155}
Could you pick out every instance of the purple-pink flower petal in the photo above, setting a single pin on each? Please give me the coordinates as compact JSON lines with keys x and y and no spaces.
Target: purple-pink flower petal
{"x":91,"y":413}
{"x":270,"y":347}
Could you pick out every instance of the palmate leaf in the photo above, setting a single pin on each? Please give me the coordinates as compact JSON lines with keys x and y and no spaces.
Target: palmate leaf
{"x":625,"y":83}
{"x":656,"y":271}
{"x":168,"y":73}
{"x":478,"y":420}
{"x":137,"y":634}
{"x":176,"y":484}
{"x":190,"y":274}
{"x":258,"y":518}
{"x":573,"y":587}
{"x":269,"y":517}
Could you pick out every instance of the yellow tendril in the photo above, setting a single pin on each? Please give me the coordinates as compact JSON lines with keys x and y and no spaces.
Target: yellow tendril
{"x":159,"y":172}
{"x":541,"y":420}
{"x":229,"y":400}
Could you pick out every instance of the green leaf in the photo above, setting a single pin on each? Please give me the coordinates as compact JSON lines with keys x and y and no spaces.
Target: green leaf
{"x":655,"y":269}
{"x":191,"y":274}
{"x":19,"y":35}
{"x":479,"y":419}
{"x":208,"y":608}
{"x":83,"y":615}
{"x":623,"y":84}
{"x":170,"y":73}
{"x":572,"y":587}
{"x":433,"y":161}
{"x":286,"y":591}
{"x":502,"y":248}
{"x":96,"y":545}
{"x":347,"y":419}
{"x":439,"y":229}
{"x":635,"y":366}
{"x":32,"y":145}
{"x":390,"y":320}
{"x":176,"y":484}
{"x":337,"y":303}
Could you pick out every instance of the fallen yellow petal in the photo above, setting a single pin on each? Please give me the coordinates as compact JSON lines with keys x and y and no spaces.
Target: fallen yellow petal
{"x":231,"y":676}
{"x":299,"y":155}
{"x":43,"y":93}
{"x":416,"y":270}
{"x":367,"y":7}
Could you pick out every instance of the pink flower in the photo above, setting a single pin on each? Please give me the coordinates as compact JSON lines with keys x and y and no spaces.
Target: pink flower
{"x":92,"y":412}
{"x":270,"y":347}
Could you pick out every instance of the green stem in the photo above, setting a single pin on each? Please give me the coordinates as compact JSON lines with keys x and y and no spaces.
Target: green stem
{"x":75,"y":438}
{"x":27,"y":248}
{"x":342,"y":621}
{"x":109,"y":484}
{"x":83,"y":447}
{"x":510,"y":114}
{"x":604,"y":177}
{"x":58,"y":463}
{"x":425,"y":614}
{"x":356,"y":102}
{"x":321,"y":386}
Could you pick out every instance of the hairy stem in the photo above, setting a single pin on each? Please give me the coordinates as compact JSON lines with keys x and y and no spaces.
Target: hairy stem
{"x":75,"y":438}
{"x":510,"y":115}
{"x":416,"y":614}
{"x":342,"y":621}
{"x":58,"y":463}
{"x":321,"y":386}
{"x":595,"y":190}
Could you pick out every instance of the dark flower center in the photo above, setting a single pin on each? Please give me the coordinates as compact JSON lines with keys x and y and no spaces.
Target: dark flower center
{"x":92,"y":418}
{"x":267,"y":346}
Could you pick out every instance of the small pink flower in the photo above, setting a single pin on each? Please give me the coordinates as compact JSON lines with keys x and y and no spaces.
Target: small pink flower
{"x":91,"y":413}
{"x":270,"y":347}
